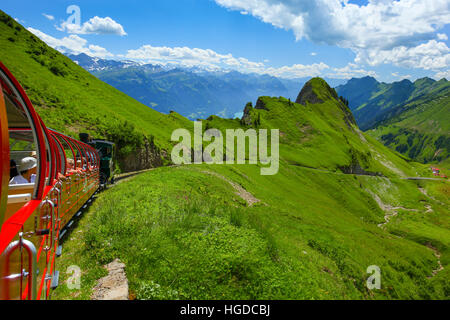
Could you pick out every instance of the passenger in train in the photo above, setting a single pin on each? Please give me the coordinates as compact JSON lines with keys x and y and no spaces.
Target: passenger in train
{"x":80,"y":167}
{"x":70,"y":166}
{"x":28,"y":168}
{"x":13,"y":169}
{"x":86,"y":165}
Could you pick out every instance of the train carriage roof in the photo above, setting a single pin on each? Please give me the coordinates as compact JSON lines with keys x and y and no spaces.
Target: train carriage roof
{"x":16,"y":115}
{"x":103,"y":141}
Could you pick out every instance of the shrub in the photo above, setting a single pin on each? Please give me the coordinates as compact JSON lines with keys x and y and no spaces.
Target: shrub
{"x":57,"y":69}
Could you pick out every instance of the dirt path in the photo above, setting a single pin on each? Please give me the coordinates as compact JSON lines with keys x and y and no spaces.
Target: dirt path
{"x":240,"y":191}
{"x":430,"y":197}
{"x":438,"y":256}
{"x":389,"y":210}
{"x":385,"y":162}
{"x":393,"y":211}
{"x":114,"y":286}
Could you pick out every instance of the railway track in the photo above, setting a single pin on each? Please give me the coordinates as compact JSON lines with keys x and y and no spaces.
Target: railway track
{"x":126,"y":175}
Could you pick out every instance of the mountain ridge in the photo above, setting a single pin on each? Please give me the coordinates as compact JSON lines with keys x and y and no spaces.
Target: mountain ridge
{"x":192,"y":92}
{"x":370,"y":99}
{"x":410,"y":117}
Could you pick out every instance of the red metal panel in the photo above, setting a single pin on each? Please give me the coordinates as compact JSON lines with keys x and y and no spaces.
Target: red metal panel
{"x":4,"y":158}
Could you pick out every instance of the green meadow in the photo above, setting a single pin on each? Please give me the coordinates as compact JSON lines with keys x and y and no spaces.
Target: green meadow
{"x":308,"y":232}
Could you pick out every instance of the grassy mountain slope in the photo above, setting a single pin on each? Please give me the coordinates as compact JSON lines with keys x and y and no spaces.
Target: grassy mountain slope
{"x":322,"y":136}
{"x":371,"y":100}
{"x":311,"y":231}
{"x":71,"y":100}
{"x":419,"y":129}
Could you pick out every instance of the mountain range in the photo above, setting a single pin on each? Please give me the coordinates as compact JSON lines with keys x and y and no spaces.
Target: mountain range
{"x":412,"y":118}
{"x":192,"y":92}
{"x":371,"y":101}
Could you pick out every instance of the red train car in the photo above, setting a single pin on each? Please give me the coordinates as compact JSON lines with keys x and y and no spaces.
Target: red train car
{"x":33,"y":215}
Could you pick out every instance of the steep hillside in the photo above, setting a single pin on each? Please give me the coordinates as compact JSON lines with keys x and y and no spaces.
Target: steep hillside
{"x":338,"y":205}
{"x":358,"y":91}
{"x":320,"y":133}
{"x":371,"y":100}
{"x":71,"y":100}
{"x":419,"y":129}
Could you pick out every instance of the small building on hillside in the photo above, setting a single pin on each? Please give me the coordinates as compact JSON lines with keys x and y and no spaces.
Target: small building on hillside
{"x":436,"y":171}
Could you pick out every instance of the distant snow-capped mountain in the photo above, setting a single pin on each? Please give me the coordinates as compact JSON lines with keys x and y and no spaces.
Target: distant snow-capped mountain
{"x":96,"y":64}
{"x":193,"y":92}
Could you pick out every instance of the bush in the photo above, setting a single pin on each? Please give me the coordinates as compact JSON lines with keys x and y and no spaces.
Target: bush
{"x":57,"y":69}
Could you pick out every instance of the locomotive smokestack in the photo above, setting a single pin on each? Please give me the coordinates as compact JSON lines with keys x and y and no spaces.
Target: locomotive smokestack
{"x":84,"y":137}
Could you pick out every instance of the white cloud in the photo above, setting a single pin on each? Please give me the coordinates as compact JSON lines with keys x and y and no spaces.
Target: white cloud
{"x":298,"y":70}
{"x":183,"y":57}
{"x":211,"y":60}
{"x":191,"y":57}
{"x":95,"y":25}
{"x":380,"y":23}
{"x":442,"y":36}
{"x":72,"y":44}
{"x":373,"y":30}
{"x":351,"y":70}
{"x":314,"y":54}
{"x":442,"y":74}
{"x":48,"y":16}
{"x":399,"y":76}
{"x":432,"y":55}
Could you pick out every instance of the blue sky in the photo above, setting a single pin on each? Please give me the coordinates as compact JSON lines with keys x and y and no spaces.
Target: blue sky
{"x":390,"y":40}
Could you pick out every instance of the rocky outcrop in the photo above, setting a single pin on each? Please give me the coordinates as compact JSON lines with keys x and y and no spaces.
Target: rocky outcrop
{"x":114,"y":286}
{"x":260,"y":104}
{"x":146,"y":157}
{"x":356,"y":168}
{"x":307,"y":94}
{"x":247,"y":117}
{"x":348,"y":115}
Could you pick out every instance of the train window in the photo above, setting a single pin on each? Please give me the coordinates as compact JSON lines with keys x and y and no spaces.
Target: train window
{"x":77,"y":154}
{"x":61,"y":154}
{"x":23,"y":155}
{"x":23,"y":149}
{"x":70,"y":155}
{"x":105,"y":150}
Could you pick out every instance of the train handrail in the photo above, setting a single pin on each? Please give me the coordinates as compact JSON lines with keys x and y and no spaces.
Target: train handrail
{"x":32,"y":262}
{"x":69,"y":184}
{"x":47,"y":231}
{"x":58,"y":188}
